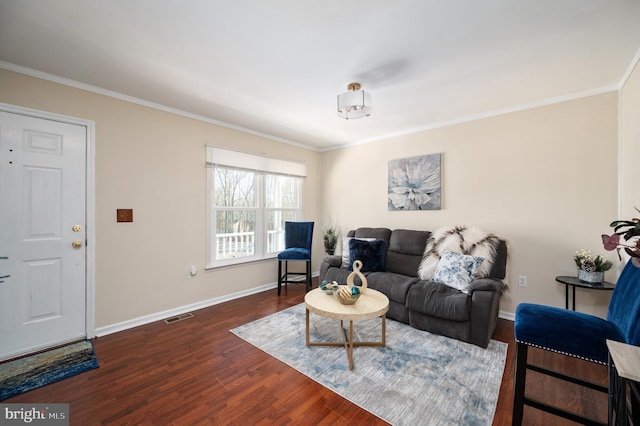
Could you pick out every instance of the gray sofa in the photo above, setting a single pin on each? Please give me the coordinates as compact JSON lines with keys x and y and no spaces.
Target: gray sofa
{"x":426,"y":305}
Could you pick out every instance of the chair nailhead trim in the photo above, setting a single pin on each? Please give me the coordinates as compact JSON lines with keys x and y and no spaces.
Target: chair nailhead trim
{"x":560,"y":352}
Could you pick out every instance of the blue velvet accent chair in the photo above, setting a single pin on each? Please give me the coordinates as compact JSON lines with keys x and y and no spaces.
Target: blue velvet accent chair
{"x":297,"y":241}
{"x":574,"y":334}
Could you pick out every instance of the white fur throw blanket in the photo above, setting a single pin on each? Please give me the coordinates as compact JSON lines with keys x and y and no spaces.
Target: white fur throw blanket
{"x":459,"y":239}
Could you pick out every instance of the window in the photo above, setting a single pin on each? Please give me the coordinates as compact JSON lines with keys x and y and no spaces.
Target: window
{"x":250,"y":198}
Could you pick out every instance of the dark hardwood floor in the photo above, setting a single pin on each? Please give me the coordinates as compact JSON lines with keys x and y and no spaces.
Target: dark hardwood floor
{"x":197,"y":372}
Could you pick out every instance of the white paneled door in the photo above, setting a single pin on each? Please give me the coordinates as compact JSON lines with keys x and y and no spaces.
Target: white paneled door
{"x":42,"y":233}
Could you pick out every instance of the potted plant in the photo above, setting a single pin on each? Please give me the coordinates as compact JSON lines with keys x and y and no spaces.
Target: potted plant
{"x":330,"y":235}
{"x":591,"y":269}
{"x":629,"y":230}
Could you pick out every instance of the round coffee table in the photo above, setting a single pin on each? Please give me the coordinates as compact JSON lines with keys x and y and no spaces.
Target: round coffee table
{"x":371,"y":304}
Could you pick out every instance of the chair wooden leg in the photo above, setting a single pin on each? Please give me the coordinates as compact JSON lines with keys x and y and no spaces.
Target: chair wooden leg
{"x":286,"y":272}
{"x":279,"y":276}
{"x":308,"y":277}
{"x":520,"y":378}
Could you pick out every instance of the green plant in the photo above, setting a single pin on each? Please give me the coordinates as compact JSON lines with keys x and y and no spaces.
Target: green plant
{"x":330,"y":235}
{"x":629,"y":230}
{"x":585,"y":261}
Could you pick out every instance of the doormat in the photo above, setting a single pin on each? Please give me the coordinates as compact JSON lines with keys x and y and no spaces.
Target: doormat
{"x":34,"y":371}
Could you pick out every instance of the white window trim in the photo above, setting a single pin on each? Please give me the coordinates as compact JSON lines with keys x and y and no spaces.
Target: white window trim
{"x":223,"y":157}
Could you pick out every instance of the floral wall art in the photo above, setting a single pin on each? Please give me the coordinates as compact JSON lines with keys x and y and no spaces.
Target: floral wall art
{"x":414,"y":183}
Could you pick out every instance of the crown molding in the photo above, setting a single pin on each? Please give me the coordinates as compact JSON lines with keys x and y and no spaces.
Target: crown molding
{"x":473,"y":117}
{"x":630,"y":68}
{"x":483,"y":115}
{"x":117,"y":95}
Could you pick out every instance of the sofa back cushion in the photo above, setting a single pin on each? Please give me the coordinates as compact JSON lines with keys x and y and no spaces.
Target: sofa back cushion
{"x":377,"y":233}
{"x":405,"y":251}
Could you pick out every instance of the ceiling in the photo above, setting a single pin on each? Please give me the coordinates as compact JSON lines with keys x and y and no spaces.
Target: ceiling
{"x":274,"y":67}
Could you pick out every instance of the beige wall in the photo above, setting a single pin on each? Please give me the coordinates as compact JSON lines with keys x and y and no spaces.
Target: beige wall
{"x":153,"y":162}
{"x":544,"y":178}
{"x":630,"y":145}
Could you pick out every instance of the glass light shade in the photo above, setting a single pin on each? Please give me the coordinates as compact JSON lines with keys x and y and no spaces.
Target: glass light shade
{"x":354,"y":104}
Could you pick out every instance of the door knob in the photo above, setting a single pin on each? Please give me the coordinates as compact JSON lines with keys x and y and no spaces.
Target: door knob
{"x":76,"y":244}
{"x":77,"y":228}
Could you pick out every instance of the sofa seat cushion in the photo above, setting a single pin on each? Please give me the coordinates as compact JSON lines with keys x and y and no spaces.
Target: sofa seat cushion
{"x":394,"y":286}
{"x":295,"y":253}
{"x":440,"y":301}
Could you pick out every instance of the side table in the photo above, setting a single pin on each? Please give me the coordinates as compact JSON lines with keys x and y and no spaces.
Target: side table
{"x":624,"y":372}
{"x":575,"y":282}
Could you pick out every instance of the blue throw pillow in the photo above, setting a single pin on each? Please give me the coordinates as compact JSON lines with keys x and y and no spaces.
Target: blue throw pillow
{"x":370,"y":253}
{"x":457,"y":270}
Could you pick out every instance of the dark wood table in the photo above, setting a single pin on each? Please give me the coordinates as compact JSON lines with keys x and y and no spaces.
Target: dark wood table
{"x":575,"y":282}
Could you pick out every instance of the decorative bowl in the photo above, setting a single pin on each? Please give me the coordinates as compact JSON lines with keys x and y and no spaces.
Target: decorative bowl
{"x":347,"y":295}
{"x":328,"y":288}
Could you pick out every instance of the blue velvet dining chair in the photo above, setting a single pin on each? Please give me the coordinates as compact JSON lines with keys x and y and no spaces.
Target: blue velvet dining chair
{"x":298,"y":237}
{"x":577,"y":335}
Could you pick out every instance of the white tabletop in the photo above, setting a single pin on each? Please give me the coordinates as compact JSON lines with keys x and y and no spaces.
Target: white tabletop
{"x":371,"y":304}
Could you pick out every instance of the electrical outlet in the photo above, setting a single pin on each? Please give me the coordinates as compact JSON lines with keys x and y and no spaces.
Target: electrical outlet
{"x":522,"y":281}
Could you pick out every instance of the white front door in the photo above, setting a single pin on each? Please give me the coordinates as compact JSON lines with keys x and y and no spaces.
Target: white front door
{"x":42,"y":233}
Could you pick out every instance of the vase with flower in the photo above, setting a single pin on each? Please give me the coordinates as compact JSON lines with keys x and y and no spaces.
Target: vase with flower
{"x":591,"y":269}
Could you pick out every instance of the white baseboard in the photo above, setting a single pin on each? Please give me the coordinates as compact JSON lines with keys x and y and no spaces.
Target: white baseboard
{"x":507,"y":315}
{"x":159,"y":316}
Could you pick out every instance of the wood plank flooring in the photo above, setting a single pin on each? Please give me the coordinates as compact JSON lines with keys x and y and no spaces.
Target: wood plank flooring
{"x":196,"y":372}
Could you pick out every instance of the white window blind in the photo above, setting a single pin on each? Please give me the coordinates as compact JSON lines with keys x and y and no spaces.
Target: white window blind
{"x":242,"y":160}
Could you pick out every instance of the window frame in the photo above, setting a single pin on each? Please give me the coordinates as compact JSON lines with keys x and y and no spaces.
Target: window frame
{"x":218,"y":158}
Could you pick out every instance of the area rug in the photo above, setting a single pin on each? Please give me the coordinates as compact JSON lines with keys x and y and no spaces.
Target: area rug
{"x":418,"y":378}
{"x":24,"y":374}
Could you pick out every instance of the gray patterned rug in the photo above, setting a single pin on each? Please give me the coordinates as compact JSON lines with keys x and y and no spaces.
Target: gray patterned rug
{"x":418,"y":378}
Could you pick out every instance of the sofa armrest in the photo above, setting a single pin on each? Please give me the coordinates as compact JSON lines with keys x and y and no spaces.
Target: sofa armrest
{"x":485,"y":305}
{"x":486,"y":284}
{"x":328,"y":262}
{"x":332,"y":260}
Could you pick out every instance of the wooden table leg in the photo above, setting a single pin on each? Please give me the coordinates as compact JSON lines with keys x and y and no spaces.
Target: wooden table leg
{"x":350,"y":350}
{"x":307,"y":327}
{"x":384,"y":330}
{"x":347,"y":341}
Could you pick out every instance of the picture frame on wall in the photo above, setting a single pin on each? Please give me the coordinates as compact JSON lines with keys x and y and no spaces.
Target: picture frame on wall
{"x":414,"y":183}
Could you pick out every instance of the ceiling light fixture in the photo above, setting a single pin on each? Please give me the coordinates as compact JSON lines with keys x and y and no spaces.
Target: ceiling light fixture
{"x":355,"y":103}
